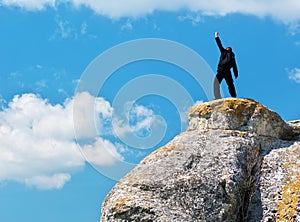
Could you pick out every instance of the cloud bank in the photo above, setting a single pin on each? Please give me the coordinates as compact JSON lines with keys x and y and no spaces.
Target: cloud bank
{"x":286,"y":12}
{"x":37,"y":142}
{"x":38,"y":146}
{"x":34,"y":148}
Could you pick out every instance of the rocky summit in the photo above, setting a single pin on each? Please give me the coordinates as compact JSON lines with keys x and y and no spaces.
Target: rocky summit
{"x":237,"y":161}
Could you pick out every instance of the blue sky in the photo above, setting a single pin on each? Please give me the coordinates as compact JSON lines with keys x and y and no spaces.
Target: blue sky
{"x":48,"y":170}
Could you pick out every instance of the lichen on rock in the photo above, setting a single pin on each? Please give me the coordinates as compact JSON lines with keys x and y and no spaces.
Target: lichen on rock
{"x":238,"y":161}
{"x":241,"y":114}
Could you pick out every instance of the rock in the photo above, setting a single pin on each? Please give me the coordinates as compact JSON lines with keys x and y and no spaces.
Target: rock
{"x":278,"y":189}
{"x":238,"y":161}
{"x":241,"y":114}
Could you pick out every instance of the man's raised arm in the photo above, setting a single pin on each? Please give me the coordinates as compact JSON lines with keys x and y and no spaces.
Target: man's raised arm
{"x":219,"y":42}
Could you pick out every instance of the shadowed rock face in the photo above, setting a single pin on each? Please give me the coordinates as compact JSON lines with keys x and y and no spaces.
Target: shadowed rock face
{"x":238,"y":161}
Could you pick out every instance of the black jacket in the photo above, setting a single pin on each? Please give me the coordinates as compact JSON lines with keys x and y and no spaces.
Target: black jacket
{"x":225,"y":68}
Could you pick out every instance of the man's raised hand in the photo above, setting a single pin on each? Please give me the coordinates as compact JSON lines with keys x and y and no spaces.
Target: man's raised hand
{"x":216,"y":34}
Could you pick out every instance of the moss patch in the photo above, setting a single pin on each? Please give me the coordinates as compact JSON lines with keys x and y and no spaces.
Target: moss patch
{"x":238,"y":108}
{"x":161,"y":152}
{"x":121,"y":202}
{"x":287,"y":207}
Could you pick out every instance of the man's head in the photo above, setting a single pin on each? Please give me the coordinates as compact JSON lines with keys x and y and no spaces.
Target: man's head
{"x":229,"y":49}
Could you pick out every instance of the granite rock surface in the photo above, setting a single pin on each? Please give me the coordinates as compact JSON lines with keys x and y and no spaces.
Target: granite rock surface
{"x":237,"y":161}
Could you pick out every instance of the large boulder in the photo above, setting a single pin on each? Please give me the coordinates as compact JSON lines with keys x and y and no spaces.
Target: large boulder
{"x":238,"y":161}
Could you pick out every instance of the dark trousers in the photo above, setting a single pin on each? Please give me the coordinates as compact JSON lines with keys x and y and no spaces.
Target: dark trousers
{"x":229,"y":81}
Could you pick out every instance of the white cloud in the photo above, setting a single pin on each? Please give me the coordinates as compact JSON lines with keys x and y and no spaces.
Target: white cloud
{"x":101,"y":152}
{"x":89,"y":109}
{"x":286,"y":12}
{"x":195,"y":19}
{"x":2,"y":101}
{"x":37,"y":142}
{"x":138,"y":121}
{"x":56,"y":181}
{"x":127,"y":26}
{"x":38,"y":146}
{"x":83,"y":29}
{"x":142,"y":118}
{"x":30,"y":4}
{"x":294,"y":74}
{"x":41,"y":84}
{"x":293,"y":28}
{"x":64,"y":31}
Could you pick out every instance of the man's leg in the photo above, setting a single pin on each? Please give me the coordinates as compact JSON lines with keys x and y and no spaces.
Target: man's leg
{"x":231,"y":88}
{"x":217,"y":81}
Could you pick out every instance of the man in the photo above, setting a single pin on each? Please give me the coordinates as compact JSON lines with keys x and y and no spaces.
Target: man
{"x":227,"y":61}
